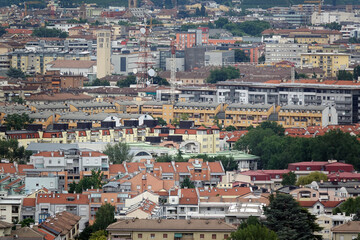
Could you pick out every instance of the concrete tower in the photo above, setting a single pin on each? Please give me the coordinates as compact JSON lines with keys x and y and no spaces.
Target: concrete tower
{"x":103,"y":53}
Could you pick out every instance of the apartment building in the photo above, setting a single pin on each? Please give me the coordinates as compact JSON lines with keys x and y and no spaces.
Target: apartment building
{"x":328,"y":221}
{"x":277,"y":52}
{"x":330,"y":63}
{"x":304,"y":116}
{"x":33,"y":62}
{"x":342,"y":95}
{"x":194,"y":37}
{"x":170,"y":229}
{"x":347,"y":231}
{"x":219,"y":58}
{"x":10,"y":207}
{"x":245,"y":115}
{"x":49,"y":204}
{"x":72,"y":160}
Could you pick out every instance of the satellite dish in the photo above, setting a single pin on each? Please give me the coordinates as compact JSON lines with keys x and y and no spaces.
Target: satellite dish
{"x":143,"y":30}
{"x":135,"y":70}
{"x":151,"y":72}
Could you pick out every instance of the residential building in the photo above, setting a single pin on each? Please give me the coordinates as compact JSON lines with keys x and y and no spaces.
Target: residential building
{"x":219,"y":58}
{"x":103,"y":51}
{"x":62,"y":225}
{"x":329,"y":17}
{"x":328,"y":221}
{"x":170,"y":229}
{"x":72,"y":161}
{"x":347,"y":231}
{"x":194,"y":37}
{"x":33,"y":62}
{"x":304,"y":116}
{"x":331,"y":63}
{"x":10,"y":208}
{"x":71,"y":67}
{"x":51,"y":204}
{"x":277,"y":52}
{"x":5,"y":228}
{"x":305,"y":168}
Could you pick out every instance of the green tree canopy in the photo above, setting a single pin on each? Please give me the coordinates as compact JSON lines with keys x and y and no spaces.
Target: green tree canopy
{"x":48,"y":32}
{"x":26,"y":222}
{"x":118,"y":153}
{"x":333,"y":26}
{"x":222,"y":74}
{"x":230,"y":128}
{"x":160,"y":81}
{"x":92,"y":182}
{"x":254,"y":232}
{"x":221,"y":22}
{"x":240,"y":56}
{"x":350,"y":206}
{"x":99,"y":235}
{"x":17,"y":121}
{"x":15,"y":73}
{"x":129,"y":80}
{"x":9,"y":149}
{"x":288,"y":220}
{"x":187,"y":183}
{"x":104,"y":217}
{"x":99,"y":82}
{"x":161,"y":121}
{"x":344,"y":75}
{"x":356,"y":74}
{"x":314,"y":176}
{"x":288,"y":179}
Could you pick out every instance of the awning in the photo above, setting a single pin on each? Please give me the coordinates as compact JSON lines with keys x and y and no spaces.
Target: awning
{"x":178,"y":235}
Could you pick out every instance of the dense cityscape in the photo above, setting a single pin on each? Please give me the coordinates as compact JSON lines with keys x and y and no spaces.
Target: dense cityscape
{"x":183,"y":120}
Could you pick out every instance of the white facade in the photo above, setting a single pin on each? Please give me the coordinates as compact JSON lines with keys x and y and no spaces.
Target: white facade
{"x":329,"y":17}
{"x":277,"y":52}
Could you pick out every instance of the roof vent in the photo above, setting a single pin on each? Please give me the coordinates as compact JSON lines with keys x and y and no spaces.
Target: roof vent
{"x":189,"y":221}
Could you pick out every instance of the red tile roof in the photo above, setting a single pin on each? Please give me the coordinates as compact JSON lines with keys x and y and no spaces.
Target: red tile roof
{"x":116,"y":168}
{"x":7,"y":168}
{"x":21,"y":168}
{"x":29,"y":202}
{"x":236,"y":191}
{"x":62,"y":198}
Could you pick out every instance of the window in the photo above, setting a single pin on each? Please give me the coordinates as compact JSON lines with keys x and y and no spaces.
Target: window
{"x":213,"y":236}
{"x":140,"y":235}
{"x":226,"y":236}
{"x":152,"y":235}
{"x":165,"y":235}
{"x":202,"y":236}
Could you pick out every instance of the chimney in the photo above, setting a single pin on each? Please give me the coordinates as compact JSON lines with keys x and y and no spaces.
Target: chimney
{"x":52,"y":154}
{"x":77,"y":196}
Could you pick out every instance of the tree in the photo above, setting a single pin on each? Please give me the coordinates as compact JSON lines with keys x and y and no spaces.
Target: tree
{"x":26,"y":222}
{"x":160,"y":81}
{"x":300,"y":75}
{"x":187,"y":183}
{"x":333,"y":26}
{"x":18,"y":100}
{"x":261,"y":59}
{"x":17,"y":121}
{"x":2,"y":31}
{"x":221,"y":22}
{"x":15,"y":73}
{"x":48,"y":32}
{"x":276,"y":128}
{"x":230,"y":128}
{"x":129,"y":80}
{"x":288,"y":179}
{"x":118,"y":153}
{"x":288,"y":220}
{"x":99,"y":82}
{"x":92,"y":182}
{"x":314,"y":76}
{"x":184,"y":117}
{"x":104,"y":217}
{"x":228,"y":163}
{"x":9,"y":149}
{"x":161,"y":121}
{"x":344,"y":75}
{"x":99,"y":235}
{"x":350,"y":206}
{"x":314,"y":176}
{"x":254,"y":232}
{"x":240,"y":56}
{"x":354,"y":40}
{"x":222,"y":74}
{"x":356,"y":74}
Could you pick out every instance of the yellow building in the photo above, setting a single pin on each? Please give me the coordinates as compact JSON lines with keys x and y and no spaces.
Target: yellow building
{"x":35,"y":62}
{"x":162,"y":229}
{"x":245,"y":115}
{"x":305,"y":116}
{"x":201,"y":113}
{"x":95,"y":107}
{"x":346,"y":231}
{"x":308,"y":39}
{"x":330,"y":63}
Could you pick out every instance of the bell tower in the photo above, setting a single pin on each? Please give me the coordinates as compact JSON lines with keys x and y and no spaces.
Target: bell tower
{"x":132,"y":3}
